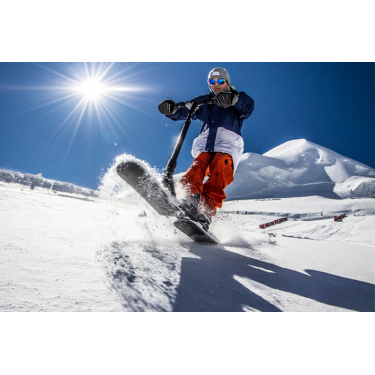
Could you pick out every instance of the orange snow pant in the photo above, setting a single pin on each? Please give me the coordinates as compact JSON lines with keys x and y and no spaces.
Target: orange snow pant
{"x":219,"y":169}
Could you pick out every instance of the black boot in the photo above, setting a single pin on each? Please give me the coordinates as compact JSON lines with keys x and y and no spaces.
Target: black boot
{"x":190,"y":206}
{"x":204,"y":220}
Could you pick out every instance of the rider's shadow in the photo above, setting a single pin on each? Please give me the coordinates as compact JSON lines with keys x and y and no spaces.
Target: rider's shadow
{"x":208,"y":284}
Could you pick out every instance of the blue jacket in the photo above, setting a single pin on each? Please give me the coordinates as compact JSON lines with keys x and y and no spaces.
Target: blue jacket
{"x":221,"y":127}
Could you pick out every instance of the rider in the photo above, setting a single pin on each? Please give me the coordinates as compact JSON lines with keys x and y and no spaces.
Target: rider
{"x":218,"y":148}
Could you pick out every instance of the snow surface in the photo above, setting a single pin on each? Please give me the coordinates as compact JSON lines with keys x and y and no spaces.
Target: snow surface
{"x":110,"y":251}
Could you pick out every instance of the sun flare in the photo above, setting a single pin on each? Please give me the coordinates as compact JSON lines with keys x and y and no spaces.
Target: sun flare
{"x":92,"y":94}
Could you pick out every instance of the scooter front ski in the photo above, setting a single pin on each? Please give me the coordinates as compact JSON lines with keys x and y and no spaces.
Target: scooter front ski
{"x":147,"y":187}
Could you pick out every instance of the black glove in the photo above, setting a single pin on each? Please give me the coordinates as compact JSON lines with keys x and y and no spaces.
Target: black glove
{"x":167,"y":107}
{"x":227,"y":97}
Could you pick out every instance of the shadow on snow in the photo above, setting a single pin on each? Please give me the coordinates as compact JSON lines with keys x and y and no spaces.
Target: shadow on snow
{"x":208,"y":284}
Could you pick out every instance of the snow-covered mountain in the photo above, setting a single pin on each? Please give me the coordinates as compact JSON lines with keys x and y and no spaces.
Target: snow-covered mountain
{"x":301,"y":168}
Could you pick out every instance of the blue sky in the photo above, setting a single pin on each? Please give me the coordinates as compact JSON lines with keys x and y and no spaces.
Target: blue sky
{"x":48,"y":126}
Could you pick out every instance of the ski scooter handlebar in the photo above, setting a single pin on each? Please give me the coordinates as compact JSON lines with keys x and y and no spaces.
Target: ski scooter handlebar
{"x":189,"y":103}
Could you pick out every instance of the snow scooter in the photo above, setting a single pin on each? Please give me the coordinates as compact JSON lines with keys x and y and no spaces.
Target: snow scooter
{"x":163,"y":200}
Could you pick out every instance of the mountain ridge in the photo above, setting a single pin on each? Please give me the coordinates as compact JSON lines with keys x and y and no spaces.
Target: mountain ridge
{"x":293,"y":169}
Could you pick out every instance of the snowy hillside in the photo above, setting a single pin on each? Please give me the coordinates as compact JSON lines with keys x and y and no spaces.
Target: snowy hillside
{"x":33,"y":181}
{"x":301,"y":168}
{"x":113,"y":252}
{"x":64,"y":248}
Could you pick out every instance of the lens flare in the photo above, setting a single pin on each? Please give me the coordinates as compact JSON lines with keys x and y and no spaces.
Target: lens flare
{"x":88,"y":95}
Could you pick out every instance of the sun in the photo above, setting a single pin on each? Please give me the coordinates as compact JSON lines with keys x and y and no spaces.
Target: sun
{"x":91,"y":89}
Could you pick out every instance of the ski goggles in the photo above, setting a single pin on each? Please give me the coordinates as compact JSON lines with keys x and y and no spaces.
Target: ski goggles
{"x":220,"y":81}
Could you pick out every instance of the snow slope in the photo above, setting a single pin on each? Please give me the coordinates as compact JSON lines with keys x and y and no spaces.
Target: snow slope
{"x":301,"y":168}
{"x":62,"y":251}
